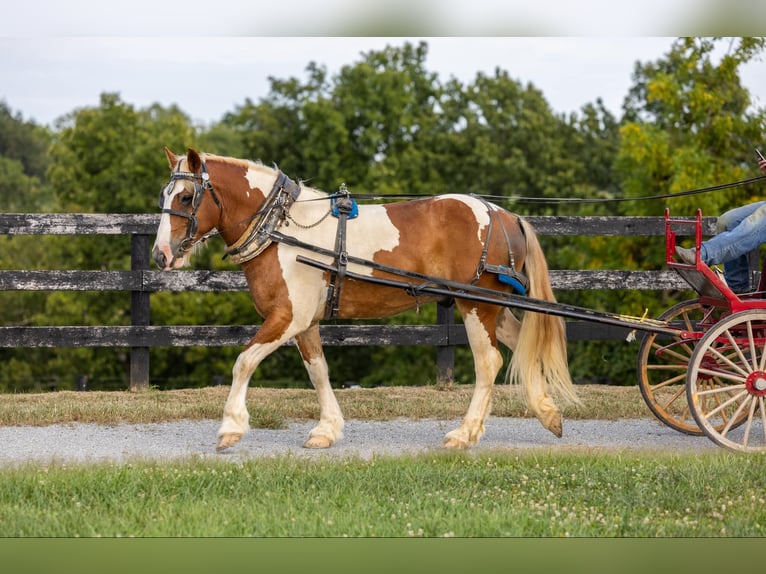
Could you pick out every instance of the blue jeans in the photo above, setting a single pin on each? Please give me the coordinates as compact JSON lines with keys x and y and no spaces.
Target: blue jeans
{"x":740,"y":231}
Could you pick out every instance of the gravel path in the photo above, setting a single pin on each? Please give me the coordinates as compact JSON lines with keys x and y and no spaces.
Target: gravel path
{"x":87,"y":443}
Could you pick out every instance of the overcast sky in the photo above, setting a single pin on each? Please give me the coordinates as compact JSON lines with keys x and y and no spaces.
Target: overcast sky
{"x":44,"y":78}
{"x":202,"y":56}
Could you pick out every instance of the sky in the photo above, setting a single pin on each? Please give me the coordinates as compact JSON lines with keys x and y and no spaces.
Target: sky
{"x":208,"y":58}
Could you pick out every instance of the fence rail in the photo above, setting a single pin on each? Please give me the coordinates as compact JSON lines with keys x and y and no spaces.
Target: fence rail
{"x":141,"y":282}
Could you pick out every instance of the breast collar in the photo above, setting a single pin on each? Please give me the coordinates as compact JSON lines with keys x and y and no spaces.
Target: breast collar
{"x":258,"y":235}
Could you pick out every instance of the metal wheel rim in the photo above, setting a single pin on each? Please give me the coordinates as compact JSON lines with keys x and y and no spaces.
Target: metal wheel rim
{"x":733,"y":352}
{"x":662,"y":367}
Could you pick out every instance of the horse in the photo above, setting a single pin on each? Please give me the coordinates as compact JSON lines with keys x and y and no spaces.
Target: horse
{"x":268,"y":221}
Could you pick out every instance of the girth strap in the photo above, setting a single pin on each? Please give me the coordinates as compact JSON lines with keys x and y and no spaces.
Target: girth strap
{"x":505,"y":273}
{"x":344,"y":206}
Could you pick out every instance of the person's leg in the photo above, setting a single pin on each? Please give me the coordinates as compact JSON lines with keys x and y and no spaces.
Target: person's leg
{"x":741,"y":230}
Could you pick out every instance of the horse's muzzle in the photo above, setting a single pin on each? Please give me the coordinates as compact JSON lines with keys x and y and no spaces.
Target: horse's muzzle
{"x":159,"y":258}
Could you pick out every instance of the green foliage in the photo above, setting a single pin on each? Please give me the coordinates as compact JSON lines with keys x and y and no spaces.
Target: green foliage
{"x":109,"y":159}
{"x":19,"y":192}
{"x":23,"y":161}
{"x":23,"y":141}
{"x":689,"y":123}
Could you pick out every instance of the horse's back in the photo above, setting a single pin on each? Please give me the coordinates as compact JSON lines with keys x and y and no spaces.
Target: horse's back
{"x":447,"y":235}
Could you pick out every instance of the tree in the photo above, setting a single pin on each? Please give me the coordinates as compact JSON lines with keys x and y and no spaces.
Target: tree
{"x":23,"y":188}
{"x":109,"y":158}
{"x":105,"y":159}
{"x":23,"y":141}
{"x":368,"y":127}
{"x":23,"y":161}
{"x":689,"y":123}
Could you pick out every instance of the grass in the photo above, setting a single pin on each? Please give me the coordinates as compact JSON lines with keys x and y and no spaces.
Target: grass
{"x":508,"y":493}
{"x":446,"y":495}
{"x":270,"y":408}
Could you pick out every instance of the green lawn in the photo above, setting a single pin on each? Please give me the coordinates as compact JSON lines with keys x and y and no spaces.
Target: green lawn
{"x":529,"y":494}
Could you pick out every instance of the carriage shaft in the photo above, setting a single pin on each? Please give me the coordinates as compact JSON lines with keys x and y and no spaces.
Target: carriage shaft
{"x":469,"y":292}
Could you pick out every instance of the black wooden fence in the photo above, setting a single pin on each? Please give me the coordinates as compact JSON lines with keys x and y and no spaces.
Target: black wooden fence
{"x":141,"y":281}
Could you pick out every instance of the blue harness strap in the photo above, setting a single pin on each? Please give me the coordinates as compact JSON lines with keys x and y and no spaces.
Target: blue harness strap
{"x":509,"y":276}
{"x":513,"y":282}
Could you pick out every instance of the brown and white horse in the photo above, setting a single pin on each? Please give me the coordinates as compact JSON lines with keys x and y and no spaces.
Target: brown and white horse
{"x":444,"y":237}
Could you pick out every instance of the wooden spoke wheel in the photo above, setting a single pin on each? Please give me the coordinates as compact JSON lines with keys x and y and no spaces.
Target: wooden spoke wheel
{"x":732,"y":354}
{"x":663,"y":362}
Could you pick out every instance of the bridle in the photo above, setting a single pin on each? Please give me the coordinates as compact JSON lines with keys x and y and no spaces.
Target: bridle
{"x":201,"y":183}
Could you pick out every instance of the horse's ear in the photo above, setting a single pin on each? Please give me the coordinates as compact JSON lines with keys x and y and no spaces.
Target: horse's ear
{"x":172,"y":158}
{"x":194,"y":161}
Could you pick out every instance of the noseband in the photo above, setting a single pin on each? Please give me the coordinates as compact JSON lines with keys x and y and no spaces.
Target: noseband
{"x":201,"y":183}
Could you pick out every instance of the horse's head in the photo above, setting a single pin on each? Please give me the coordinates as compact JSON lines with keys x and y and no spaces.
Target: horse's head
{"x":190,"y":210}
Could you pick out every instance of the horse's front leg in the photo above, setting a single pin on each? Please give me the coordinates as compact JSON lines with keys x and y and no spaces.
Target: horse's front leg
{"x":487,"y":359}
{"x":236,"y":420}
{"x":330,"y":427}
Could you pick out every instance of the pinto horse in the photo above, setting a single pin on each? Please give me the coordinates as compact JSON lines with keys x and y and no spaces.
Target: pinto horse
{"x":267,"y":221}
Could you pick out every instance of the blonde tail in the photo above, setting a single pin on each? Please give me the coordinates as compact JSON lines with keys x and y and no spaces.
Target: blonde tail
{"x":539,"y":360}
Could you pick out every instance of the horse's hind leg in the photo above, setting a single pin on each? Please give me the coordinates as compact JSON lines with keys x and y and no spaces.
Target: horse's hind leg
{"x":480,"y":327}
{"x":538,"y":401}
{"x":330,"y":427}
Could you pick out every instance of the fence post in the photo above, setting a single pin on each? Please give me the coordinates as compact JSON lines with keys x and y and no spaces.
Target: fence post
{"x":140,"y":315}
{"x":445,"y":354}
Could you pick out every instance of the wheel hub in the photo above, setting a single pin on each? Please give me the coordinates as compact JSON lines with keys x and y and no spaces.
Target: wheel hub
{"x":756,"y":383}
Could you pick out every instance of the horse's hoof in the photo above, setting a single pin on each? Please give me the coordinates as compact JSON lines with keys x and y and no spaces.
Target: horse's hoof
{"x":453,"y":443}
{"x":228,"y":440}
{"x":553,"y":424}
{"x":318,"y":441}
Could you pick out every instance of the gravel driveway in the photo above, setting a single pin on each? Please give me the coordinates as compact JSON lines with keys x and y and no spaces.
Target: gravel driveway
{"x":83,"y":443}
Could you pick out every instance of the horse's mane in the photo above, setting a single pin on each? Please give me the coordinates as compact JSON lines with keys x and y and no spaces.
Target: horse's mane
{"x":257,"y":164}
{"x":235,"y":161}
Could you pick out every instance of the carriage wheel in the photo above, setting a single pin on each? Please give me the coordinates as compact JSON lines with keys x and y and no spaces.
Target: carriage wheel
{"x":733,"y":354}
{"x":663,"y":361}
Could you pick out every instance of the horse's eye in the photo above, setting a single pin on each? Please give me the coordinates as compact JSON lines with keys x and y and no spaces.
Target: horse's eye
{"x":186,"y":199}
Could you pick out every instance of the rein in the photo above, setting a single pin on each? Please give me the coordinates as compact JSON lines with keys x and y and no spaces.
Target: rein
{"x":262,"y":229}
{"x":524,"y":199}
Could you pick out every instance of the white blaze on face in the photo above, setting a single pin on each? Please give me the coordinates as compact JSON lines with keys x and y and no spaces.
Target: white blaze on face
{"x":163,"y":240}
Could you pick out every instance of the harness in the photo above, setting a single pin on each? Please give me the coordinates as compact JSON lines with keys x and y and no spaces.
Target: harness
{"x":344,"y":208}
{"x":505,"y":273}
{"x":258,"y":235}
{"x":262,"y":231}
